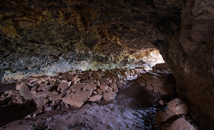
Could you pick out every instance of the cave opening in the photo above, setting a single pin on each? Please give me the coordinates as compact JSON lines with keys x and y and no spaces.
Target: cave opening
{"x":107,"y":64}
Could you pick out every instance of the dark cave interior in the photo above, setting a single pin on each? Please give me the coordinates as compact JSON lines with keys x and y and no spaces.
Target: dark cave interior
{"x":147,"y":64}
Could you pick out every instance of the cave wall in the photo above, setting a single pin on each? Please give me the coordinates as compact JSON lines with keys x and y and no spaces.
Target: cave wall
{"x":190,"y":55}
{"x":47,"y":37}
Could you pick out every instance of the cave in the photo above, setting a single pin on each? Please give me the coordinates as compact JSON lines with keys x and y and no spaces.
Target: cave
{"x":107,"y":64}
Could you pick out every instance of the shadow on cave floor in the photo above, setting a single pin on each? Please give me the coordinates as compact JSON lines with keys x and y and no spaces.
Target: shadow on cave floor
{"x":4,"y":87}
{"x":135,"y":96}
{"x":14,"y":112}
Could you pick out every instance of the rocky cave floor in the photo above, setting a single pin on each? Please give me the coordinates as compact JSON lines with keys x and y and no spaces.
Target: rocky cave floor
{"x":112,"y":99}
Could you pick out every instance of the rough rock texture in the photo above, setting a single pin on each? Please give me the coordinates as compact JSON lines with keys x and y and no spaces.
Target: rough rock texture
{"x":57,"y":92}
{"x":47,"y":37}
{"x":189,"y":53}
{"x":178,"y":106}
{"x":44,"y":37}
{"x":133,"y":109}
{"x":179,"y":124}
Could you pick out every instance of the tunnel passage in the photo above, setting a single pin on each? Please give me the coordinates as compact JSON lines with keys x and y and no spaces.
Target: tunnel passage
{"x":47,"y":37}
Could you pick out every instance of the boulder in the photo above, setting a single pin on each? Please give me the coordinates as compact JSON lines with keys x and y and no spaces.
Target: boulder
{"x":179,"y":124}
{"x":119,"y":84}
{"x":109,"y":90}
{"x":63,"y":86}
{"x":103,"y":87}
{"x":95,"y":98}
{"x":69,"y":76}
{"x":44,"y":86}
{"x":109,"y":96}
{"x":77,"y":99}
{"x":40,"y":102}
{"x":116,"y":90}
{"x":25,"y":92}
{"x":54,"y":97}
{"x":99,"y":91}
{"x":178,"y":106}
{"x":162,"y":117}
{"x":113,"y":85}
{"x":90,"y":86}
{"x":77,"y":87}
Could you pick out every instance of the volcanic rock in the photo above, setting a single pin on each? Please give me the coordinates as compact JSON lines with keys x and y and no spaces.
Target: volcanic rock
{"x":109,"y":90}
{"x":55,"y":97}
{"x":179,"y":124}
{"x":95,"y":98}
{"x":109,"y":96}
{"x":178,"y":106}
{"x":44,"y":86}
{"x":99,"y":91}
{"x":77,"y":99}
{"x":90,"y":86}
{"x":119,"y":84}
{"x":103,"y":87}
{"x":162,"y":117}
{"x":40,"y":102}
{"x":63,"y":86}
{"x":25,"y":92}
{"x":77,"y":87}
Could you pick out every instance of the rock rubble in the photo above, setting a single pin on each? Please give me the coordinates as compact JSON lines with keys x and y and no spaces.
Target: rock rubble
{"x":70,"y":89}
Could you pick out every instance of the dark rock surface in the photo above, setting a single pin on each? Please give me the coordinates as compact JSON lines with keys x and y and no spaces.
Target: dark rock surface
{"x":189,"y":54}
{"x":47,"y":37}
{"x":44,"y":38}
